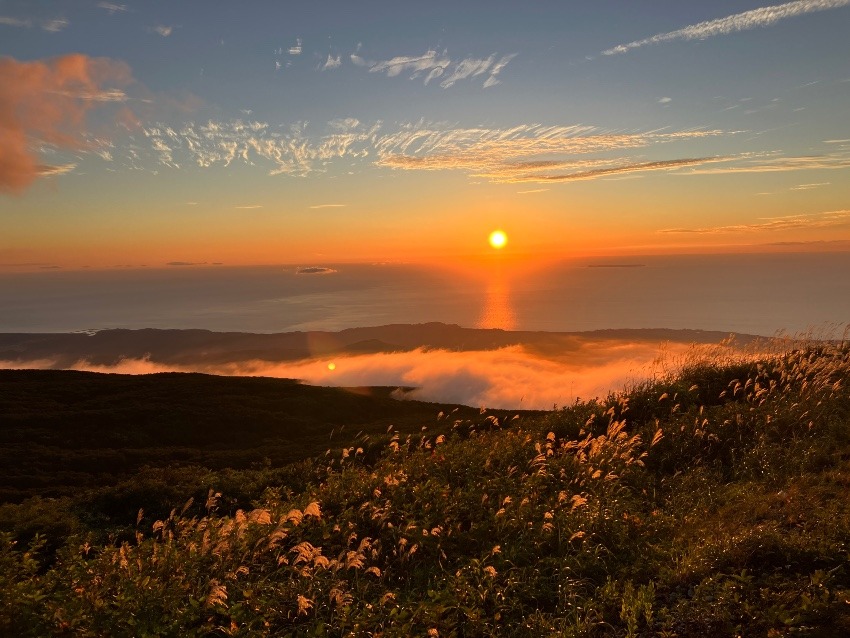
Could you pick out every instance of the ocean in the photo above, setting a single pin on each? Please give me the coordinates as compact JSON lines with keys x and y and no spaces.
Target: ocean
{"x":751,"y":293}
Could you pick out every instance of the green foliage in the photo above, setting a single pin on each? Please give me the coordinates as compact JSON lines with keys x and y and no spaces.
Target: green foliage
{"x":711,"y":503}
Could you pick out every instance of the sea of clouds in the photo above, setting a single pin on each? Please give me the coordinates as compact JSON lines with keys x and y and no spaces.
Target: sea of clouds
{"x":511,"y":378}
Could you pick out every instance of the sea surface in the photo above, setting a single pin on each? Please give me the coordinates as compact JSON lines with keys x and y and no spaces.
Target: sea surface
{"x":754,"y":293}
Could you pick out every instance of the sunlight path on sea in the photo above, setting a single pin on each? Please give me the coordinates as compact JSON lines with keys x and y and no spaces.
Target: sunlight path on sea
{"x":498,"y":310}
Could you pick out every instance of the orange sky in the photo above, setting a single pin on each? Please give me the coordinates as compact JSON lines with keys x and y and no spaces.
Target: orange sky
{"x":288,"y":138}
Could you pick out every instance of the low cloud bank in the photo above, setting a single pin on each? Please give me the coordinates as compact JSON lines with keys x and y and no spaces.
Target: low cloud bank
{"x":510,"y":378}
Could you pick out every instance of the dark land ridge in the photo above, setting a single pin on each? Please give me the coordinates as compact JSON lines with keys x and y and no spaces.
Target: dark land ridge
{"x":200,"y":347}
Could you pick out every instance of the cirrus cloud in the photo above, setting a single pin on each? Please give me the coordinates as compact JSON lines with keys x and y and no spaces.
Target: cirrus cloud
{"x":522,"y":153}
{"x":828,"y":219}
{"x":753,"y":19}
{"x":432,"y":65}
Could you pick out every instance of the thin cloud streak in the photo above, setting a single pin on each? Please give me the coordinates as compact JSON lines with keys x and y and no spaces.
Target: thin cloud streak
{"x":806,"y":187}
{"x":773,"y":224}
{"x":432,"y":65}
{"x":15,"y":22}
{"x":112,"y":8}
{"x":753,"y":19}
{"x":662,"y":165}
{"x":61,"y":169}
{"x":827,"y":161}
{"x":509,"y":155}
{"x":52,"y":26}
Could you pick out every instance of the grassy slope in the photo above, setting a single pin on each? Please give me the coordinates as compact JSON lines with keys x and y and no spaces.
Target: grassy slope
{"x":709,"y":504}
{"x":61,"y":431}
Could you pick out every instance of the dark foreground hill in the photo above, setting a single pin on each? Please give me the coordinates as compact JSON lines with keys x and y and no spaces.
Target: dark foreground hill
{"x":712,"y":503}
{"x":64,"y":430}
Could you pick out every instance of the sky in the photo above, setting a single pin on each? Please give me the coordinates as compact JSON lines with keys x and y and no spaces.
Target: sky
{"x":147,"y":133}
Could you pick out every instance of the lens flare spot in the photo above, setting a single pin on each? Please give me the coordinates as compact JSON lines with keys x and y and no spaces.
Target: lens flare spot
{"x":498,"y":239}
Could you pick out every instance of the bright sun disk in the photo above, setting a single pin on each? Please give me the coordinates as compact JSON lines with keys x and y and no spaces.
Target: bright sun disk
{"x":498,"y":239}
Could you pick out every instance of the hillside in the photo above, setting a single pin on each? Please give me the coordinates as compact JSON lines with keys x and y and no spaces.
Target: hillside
{"x":65,"y":431}
{"x":710,"y":503}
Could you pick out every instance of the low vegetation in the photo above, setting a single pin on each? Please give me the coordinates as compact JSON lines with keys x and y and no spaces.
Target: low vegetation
{"x":709,"y":503}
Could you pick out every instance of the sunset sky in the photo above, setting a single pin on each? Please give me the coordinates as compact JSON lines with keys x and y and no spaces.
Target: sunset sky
{"x":151,"y":132}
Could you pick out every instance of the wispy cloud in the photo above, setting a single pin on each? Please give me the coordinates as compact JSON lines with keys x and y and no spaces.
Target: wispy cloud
{"x":772,"y":224}
{"x":779,"y":164}
{"x":166,"y":153}
{"x":524,"y":153}
{"x":248,"y":207}
{"x":318,"y":206}
{"x":53,"y":25}
{"x":665,"y":100}
{"x":529,"y":153}
{"x":15,"y":22}
{"x":496,"y":69}
{"x":285,"y":150}
{"x":108,"y":95}
{"x":61,"y":169}
{"x":113,"y":7}
{"x":332,"y":63}
{"x":432,"y":65}
{"x":753,"y":19}
{"x":807,"y":187}
{"x":296,"y":48}
{"x":619,"y":169}
{"x":534,"y":190}
{"x":163,"y":30}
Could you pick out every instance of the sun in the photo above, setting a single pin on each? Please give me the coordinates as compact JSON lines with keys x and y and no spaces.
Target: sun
{"x":498,"y":239}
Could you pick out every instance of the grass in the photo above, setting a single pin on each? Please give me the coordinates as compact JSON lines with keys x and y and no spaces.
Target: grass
{"x":708,"y":502}
{"x":62,"y":431}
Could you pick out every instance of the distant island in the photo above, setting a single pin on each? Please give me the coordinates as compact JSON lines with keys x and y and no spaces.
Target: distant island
{"x":616,"y":265}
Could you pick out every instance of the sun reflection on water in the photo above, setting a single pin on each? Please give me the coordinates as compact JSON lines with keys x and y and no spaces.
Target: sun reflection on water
{"x":498,"y":311}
